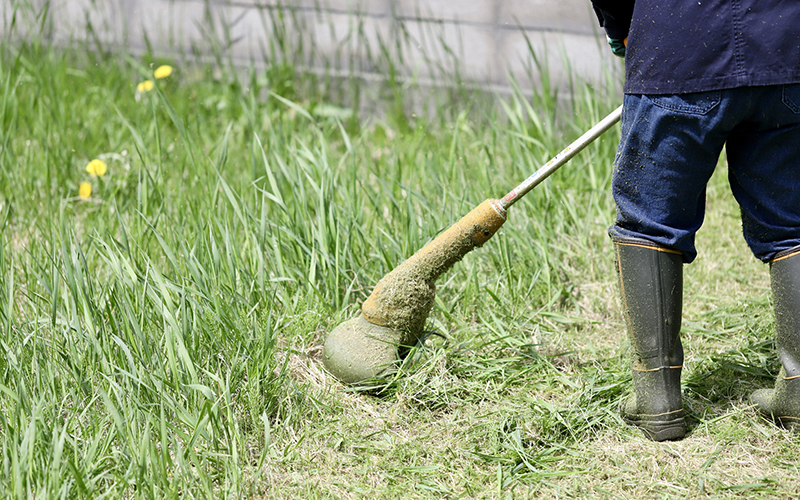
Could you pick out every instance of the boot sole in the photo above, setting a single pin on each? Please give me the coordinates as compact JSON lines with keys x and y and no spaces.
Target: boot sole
{"x":658,"y":430}
{"x":762,"y":399}
{"x":791,"y":424}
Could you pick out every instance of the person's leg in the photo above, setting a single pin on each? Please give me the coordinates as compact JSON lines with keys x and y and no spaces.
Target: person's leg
{"x":782,"y":403}
{"x":764,"y":171}
{"x":669,"y":148}
{"x":651,"y":287}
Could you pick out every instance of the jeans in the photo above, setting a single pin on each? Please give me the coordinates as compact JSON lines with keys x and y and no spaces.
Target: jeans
{"x":670,"y":146}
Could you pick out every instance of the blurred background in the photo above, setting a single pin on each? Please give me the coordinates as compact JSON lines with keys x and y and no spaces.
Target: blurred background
{"x":490,"y":43}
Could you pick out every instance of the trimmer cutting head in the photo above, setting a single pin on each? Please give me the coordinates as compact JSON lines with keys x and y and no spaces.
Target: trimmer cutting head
{"x":394,"y":315}
{"x":357,"y":350}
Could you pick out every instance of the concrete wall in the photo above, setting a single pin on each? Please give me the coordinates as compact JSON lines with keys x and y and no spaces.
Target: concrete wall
{"x":484,"y":40}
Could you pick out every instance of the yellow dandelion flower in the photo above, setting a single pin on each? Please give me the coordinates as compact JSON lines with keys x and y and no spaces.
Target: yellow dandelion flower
{"x":85,"y":190}
{"x":162,"y":72}
{"x":145,"y":86}
{"x":97,"y":168}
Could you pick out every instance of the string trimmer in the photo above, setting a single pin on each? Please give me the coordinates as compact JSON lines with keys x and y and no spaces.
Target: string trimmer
{"x":394,"y":315}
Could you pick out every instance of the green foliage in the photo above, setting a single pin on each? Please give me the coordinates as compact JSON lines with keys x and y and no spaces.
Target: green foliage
{"x":161,"y":337}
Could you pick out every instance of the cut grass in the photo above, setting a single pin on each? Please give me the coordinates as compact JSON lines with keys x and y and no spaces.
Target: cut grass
{"x":161,"y":339}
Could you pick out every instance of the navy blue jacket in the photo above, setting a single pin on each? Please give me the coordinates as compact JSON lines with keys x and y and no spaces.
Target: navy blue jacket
{"x":679,"y":46}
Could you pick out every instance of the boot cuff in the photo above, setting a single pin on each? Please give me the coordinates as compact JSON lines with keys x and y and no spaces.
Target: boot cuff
{"x":785,"y":254}
{"x":641,"y":242}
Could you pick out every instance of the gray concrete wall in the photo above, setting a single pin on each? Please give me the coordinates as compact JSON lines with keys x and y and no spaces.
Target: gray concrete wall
{"x":484,"y":40}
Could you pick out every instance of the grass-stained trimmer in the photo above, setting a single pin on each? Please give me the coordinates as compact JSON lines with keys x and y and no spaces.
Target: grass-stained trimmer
{"x":394,"y":315}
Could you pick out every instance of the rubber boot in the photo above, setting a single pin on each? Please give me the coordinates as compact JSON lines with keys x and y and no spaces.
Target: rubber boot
{"x":782,"y":403}
{"x":651,"y":286}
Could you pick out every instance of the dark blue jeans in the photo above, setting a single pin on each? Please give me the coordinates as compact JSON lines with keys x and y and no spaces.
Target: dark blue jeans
{"x":670,"y":145}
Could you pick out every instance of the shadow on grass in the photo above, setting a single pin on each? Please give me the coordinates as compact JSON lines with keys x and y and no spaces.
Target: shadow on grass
{"x":726,"y":379}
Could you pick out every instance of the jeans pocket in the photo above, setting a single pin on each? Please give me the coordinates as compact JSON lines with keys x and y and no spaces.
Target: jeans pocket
{"x":790,"y":95}
{"x":696,"y":103}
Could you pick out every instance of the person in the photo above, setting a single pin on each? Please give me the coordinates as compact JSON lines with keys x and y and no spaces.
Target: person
{"x":700,"y":75}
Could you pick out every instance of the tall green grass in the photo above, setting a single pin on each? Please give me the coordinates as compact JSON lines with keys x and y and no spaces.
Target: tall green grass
{"x":161,"y":338}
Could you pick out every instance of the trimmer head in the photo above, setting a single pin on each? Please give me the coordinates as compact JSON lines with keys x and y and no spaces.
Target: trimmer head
{"x":394,"y":314}
{"x":357,"y":350}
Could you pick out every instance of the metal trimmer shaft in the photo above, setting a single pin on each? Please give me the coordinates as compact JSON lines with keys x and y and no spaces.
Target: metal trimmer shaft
{"x":561,"y":158}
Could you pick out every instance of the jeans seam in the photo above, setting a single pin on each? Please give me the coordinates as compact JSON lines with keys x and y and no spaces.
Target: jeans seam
{"x":690,"y":109}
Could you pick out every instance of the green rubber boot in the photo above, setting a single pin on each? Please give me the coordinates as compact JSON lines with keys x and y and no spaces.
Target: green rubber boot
{"x":651,"y":286}
{"x":782,"y":403}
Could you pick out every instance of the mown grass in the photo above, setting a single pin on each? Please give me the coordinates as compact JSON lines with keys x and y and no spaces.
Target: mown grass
{"x":162,"y":338}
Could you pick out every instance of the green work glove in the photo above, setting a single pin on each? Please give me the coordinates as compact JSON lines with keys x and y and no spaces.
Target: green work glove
{"x":618,"y":46}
